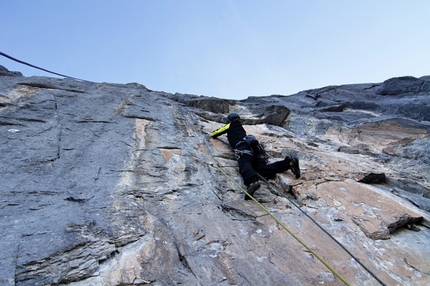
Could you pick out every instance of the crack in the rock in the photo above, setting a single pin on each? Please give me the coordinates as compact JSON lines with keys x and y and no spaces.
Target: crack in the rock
{"x":45,"y":86}
{"x":60,"y":130}
{"x":183,"y":260}
{"x":93,"y":121}
{"x":20,"y":119}
{"x":232,"y":210}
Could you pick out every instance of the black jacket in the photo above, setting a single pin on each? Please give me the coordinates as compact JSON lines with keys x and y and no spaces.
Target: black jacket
{"x":235,"y":133}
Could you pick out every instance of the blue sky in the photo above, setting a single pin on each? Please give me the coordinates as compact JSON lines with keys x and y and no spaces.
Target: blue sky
{"x":221,"y":48}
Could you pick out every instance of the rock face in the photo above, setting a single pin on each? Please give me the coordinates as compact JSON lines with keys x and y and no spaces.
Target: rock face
{"x":106,"y":184}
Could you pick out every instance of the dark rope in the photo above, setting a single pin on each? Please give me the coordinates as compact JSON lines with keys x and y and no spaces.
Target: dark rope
{"x":289,"y":231}
{"x":343,"y":247}
{"x":36,"y":67}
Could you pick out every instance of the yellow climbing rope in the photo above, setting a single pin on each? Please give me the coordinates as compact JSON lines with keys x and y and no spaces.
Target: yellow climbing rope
{"x":284,"y":227}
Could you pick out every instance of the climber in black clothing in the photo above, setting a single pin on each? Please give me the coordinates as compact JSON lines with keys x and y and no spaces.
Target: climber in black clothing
{"x":250,"y":162}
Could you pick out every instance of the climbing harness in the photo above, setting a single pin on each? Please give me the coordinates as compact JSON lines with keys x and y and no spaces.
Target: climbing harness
{"x":289,"y":231}
{"x":256,"y":148}
{"x":241,"y":152}
{"x":277,"y":192}
{"x":36,"y":67}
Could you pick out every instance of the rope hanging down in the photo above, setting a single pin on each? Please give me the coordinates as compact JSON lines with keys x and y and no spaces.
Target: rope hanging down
{"x":36,"y":67}
{"x":326,"y":232}
{"x":291,"y":233}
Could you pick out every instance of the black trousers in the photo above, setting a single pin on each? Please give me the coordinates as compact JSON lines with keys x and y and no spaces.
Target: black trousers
{"x":245,"y":158}
{"x":249,"y":165}
{"x":246,"y":169}
{"x":269,"y":171}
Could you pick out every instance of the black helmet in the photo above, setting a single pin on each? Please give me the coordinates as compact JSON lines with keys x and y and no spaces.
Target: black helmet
{"x":233,"y":117}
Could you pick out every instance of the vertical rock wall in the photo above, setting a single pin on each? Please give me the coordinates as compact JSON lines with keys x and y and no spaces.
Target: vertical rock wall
{"x":105,"y":184}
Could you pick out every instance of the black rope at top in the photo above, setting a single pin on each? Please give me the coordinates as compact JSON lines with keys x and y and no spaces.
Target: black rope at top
{"x":36,"y":67}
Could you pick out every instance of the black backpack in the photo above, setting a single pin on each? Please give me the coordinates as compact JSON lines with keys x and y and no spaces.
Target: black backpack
{"x":256,"y":147}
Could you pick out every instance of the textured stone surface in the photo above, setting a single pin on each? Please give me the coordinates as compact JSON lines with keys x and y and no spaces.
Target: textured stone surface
{"x":107,"y":184}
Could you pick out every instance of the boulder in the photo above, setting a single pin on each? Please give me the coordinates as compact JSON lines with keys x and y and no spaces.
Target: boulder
{"x":402,"y":85}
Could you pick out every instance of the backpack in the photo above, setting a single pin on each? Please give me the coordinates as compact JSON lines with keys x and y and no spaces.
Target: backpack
{"x":256,"y":147}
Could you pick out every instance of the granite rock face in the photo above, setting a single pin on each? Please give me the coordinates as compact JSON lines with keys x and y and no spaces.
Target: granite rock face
{"x":108,"y":184}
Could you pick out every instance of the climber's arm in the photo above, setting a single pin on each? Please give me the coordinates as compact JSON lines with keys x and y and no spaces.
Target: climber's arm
{"x":220,"y":131}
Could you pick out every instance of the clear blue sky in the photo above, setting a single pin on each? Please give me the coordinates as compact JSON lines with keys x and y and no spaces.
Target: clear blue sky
{"x":222,"y":48}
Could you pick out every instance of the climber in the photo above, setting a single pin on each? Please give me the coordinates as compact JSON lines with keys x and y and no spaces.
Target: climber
{"x":249,"y":156}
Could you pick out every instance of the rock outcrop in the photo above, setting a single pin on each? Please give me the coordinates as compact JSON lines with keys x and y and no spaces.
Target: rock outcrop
{"x":109,"y":184}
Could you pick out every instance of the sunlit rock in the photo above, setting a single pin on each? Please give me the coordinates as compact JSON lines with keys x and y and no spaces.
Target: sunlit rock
{"x":111,"y":184}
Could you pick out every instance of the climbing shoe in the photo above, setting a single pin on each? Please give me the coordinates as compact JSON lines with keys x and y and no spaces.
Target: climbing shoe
{"x":295,"y":168}
{"x":251,"y":189}
{"x":292,"y":163}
